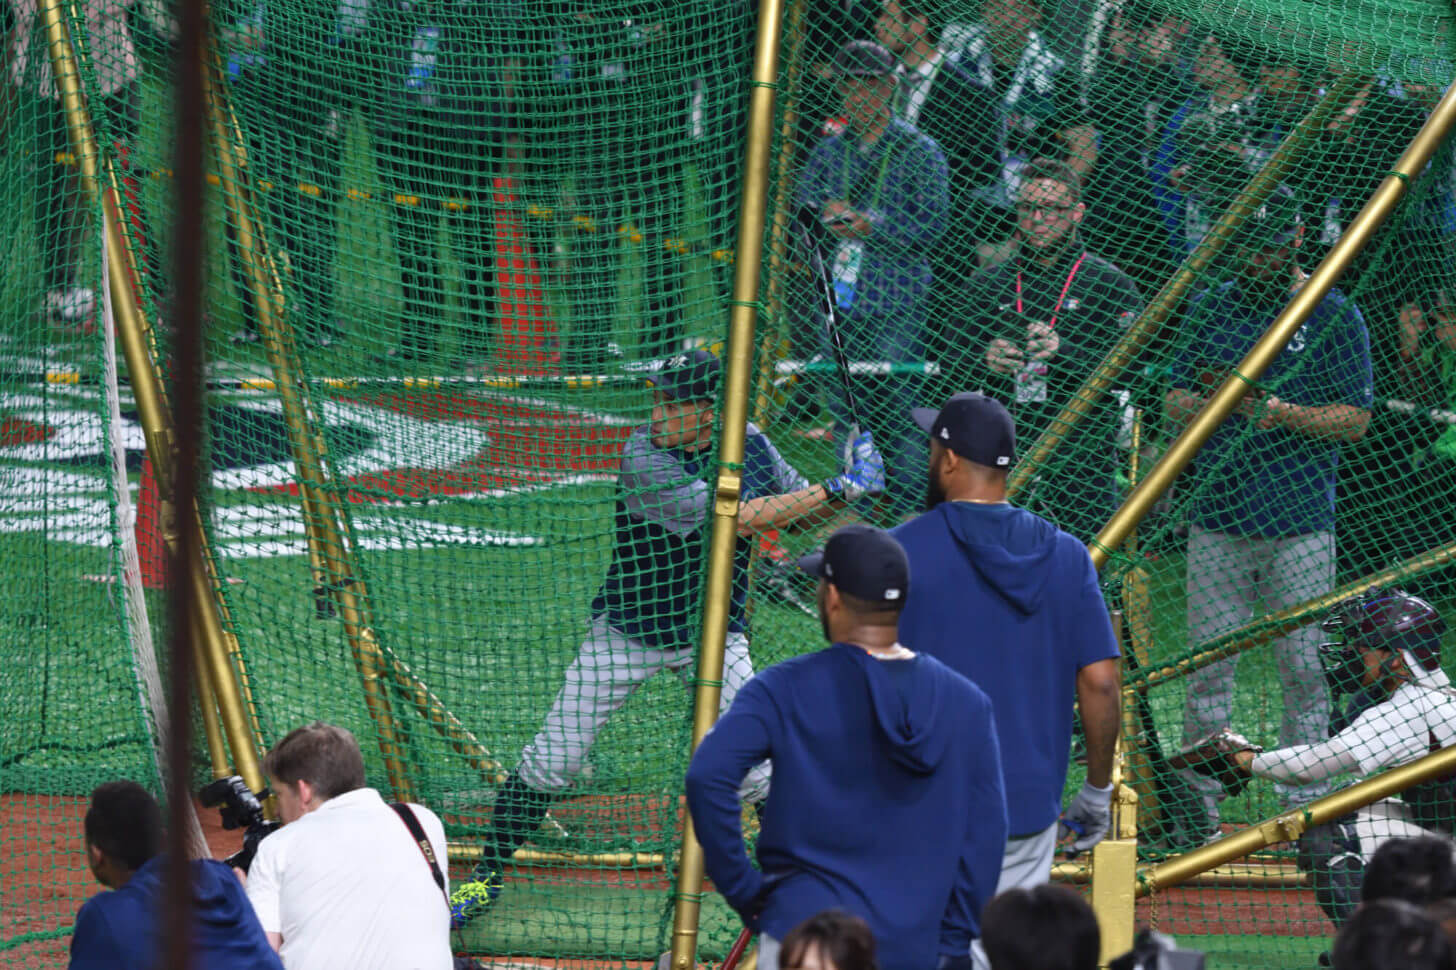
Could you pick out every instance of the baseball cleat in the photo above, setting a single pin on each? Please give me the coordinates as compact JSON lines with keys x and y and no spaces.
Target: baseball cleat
{"x":469,"y":899}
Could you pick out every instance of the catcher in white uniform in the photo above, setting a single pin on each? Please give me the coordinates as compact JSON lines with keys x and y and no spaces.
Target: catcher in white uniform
{"x":1402,"y":706}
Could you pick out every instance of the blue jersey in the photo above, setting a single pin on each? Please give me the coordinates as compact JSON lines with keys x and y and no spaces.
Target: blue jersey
{"x":1005,"y":598}
{"x":122,"y":929}
{"x":664,"y":496}
{"x":886,"y":800}
{"x":1274,"y":482}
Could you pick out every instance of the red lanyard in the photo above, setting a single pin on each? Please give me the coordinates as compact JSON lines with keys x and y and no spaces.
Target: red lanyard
{"x":1060,"y":299}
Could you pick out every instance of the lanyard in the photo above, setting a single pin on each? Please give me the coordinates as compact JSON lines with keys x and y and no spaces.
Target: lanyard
{"x":1060,"y":299}
{"x":851,"y":187}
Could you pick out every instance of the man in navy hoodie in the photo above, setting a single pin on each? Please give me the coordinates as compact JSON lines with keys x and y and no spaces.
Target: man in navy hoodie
{"x":122,"y":929}
{"x":1012,"y":602}
{"x":887,"y":799}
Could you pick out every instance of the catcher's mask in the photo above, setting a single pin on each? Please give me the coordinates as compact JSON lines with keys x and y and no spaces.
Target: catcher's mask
{"x":1379,"y":619}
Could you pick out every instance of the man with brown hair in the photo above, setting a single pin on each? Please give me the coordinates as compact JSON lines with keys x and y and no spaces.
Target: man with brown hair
{"x":345,"y":882}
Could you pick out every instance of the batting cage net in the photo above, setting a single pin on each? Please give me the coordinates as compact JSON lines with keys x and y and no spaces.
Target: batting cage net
{"x":459,"y":473}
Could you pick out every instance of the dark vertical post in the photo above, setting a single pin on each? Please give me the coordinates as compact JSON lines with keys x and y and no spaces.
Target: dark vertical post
{"x":184,"y":604}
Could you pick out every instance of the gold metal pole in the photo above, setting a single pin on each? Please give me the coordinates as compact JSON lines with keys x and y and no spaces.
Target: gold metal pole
{"x":1275,"y":625}
{"x":779,"y":264}
{"x":1168,"y":299}
{"x":1114,"y":859}
{"x":1392,"y":189}
{"x":1289,"y":826}
{"x":325,"y":541}
{"x":98,"y":177}
{"x":739,"y":352}
{"x":211,"y":727}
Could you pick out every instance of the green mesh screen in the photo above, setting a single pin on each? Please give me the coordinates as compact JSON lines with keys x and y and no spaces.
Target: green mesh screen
{"x":446,"y":245}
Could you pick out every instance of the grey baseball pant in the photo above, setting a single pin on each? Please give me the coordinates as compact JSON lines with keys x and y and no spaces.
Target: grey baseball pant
{"x":608,"y":668}
{"x":1228,"y":576}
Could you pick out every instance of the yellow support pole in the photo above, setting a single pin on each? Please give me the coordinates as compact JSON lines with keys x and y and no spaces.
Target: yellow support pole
{"x":747,"y":269}
{"x":1114,"y":859}
{"x":1218,"y":408}
{"x":217,"y":650}
{"x":1290,"y":825}
{"x":325,"y":538}
{"x":1275,"y":625}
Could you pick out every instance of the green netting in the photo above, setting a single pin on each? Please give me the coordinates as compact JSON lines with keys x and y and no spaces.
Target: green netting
{"x":478,"y":227}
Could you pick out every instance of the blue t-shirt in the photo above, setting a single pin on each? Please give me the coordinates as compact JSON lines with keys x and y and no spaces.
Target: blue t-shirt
{"x":664,"y":496}
{"x":122,"y":929}
{"x":886,"y":800}
{"x":1013,"y":603}
{"x":1273,"y":482}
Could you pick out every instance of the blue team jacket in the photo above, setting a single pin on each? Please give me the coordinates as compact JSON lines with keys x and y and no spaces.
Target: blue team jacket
{"x":886,"y":800}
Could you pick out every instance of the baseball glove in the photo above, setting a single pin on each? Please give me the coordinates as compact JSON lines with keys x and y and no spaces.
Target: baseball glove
{"x":1213,"y":756}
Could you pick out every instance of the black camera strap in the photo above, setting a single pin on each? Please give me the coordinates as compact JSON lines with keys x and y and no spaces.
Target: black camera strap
{"x":407,"y":816}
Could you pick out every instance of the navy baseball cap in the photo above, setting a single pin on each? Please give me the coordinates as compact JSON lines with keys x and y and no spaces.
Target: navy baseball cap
{"x":974,"y":426}
{"x":693,"y":376}
{"x":865,"y":562}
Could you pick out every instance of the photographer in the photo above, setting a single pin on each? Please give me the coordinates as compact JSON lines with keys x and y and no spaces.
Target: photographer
{"x":121,"y":929}
{"x":345,"y":882}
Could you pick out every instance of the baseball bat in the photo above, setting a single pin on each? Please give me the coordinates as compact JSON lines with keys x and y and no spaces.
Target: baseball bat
{"x":730,"y":962}
{"x":808,"y":233}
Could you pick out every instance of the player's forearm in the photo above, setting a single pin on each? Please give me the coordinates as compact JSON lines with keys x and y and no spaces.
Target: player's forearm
{"x":1339,"y":423}
{"x":805,"y":506}
{"x":1305,"y":764}
{"x":1099,"y":696}
{"x":1180,"y":406}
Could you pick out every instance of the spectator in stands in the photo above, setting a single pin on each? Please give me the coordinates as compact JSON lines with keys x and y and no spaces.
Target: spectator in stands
{"x":1263,"y":513}
{"x":1392,"y":935}
{"x":887,"y":797}
{"x":1047,"y":927}
{"x":48,"y":156}
{"x":1210,"y":147}
{"x":948,"y":103}
{"x":1426,"y":367}
{"x":880,"y":193}
{"x":124,"y":929}
{"x":1043,"y":113}
{"x":627,"y":130}
{"x":1136,"y":83}
{"x":322,"y":900}
{"x":439,"y":129}
{"x":831,"y":940}
{"x":1037,"y":326}
{"x":294,"y":76}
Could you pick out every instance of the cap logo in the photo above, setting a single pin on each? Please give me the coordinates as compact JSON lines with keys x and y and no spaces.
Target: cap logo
{"x":828,"y":569}
{"x":1003,"y":459}
{"x":892,"y":594}
{"x":945,"y":433}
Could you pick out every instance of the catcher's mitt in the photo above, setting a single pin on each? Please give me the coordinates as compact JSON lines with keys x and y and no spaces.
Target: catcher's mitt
{"x":1214,"y":756}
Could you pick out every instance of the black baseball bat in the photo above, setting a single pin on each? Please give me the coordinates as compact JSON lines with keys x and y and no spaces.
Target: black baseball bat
{"x":809,"y":234}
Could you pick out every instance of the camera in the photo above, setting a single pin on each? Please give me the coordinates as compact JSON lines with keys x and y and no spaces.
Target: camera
{"x":1154,"y":951}
{"x":239,"y":808}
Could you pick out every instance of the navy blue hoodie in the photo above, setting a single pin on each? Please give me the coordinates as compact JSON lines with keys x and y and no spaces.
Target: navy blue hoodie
{"x":122,"y":929}
{"x":1013,"y":603}
{"x":886,"y":800}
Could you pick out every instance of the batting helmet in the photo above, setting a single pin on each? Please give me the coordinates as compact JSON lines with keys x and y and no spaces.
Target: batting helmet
{"x":1389,"y":619}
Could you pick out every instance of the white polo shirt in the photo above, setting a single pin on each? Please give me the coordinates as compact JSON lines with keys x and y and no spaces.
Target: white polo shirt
{"x":1417,"y":719}
{"x":348,"y":888}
